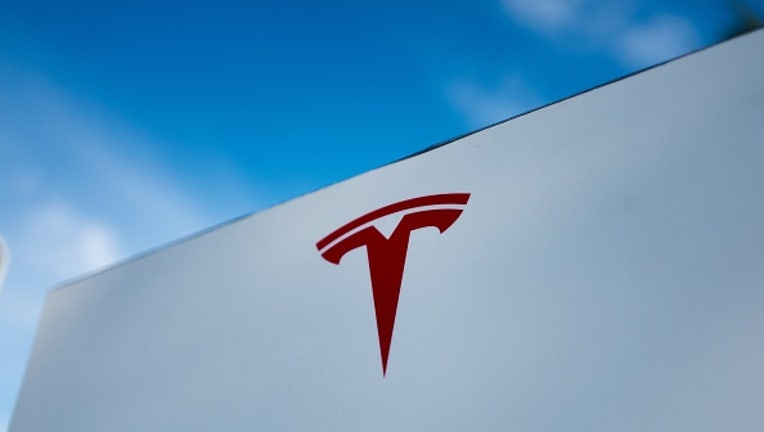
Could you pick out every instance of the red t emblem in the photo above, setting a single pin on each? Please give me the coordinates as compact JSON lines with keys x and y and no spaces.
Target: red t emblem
{"x":387,"y":256}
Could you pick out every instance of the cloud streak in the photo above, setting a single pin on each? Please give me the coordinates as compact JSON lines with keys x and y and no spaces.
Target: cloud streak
{"x":545,"y":16}
{"x":598,"y":27}
{"x":61,"y":240}
{"x":82,"y":189}
{"x":612,"y":28}
{"x":481,"y":105}
{"x":657,"y":39}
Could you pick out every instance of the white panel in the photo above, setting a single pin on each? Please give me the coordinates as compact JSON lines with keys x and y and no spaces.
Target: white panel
{"x":607,"y":274}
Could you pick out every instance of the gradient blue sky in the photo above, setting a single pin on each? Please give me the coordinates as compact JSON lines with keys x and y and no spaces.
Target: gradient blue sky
{"x":124,"y":126}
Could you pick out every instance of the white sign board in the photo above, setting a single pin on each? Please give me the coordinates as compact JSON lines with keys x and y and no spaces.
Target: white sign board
{"x":594,"y":265}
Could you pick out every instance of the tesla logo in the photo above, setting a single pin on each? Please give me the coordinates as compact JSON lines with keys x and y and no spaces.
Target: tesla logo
{"x":387,"y":255}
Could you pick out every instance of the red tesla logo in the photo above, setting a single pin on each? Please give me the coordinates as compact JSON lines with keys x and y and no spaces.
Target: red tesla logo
{"x":387,"y":256}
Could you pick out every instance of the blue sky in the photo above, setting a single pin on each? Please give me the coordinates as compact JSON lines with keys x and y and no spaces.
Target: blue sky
{"x":123,"y":127}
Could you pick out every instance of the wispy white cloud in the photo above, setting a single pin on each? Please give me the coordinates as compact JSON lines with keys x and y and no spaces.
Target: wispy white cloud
{"x":483,"y":105}
{"x":79,"y":155}
{"x":658,"y":39}
{"x":81,"y":189}
{"x":610,"y":27}
{"x":53,"y":242}
{"x":545,"y":16}
{"x":62,"y":242}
